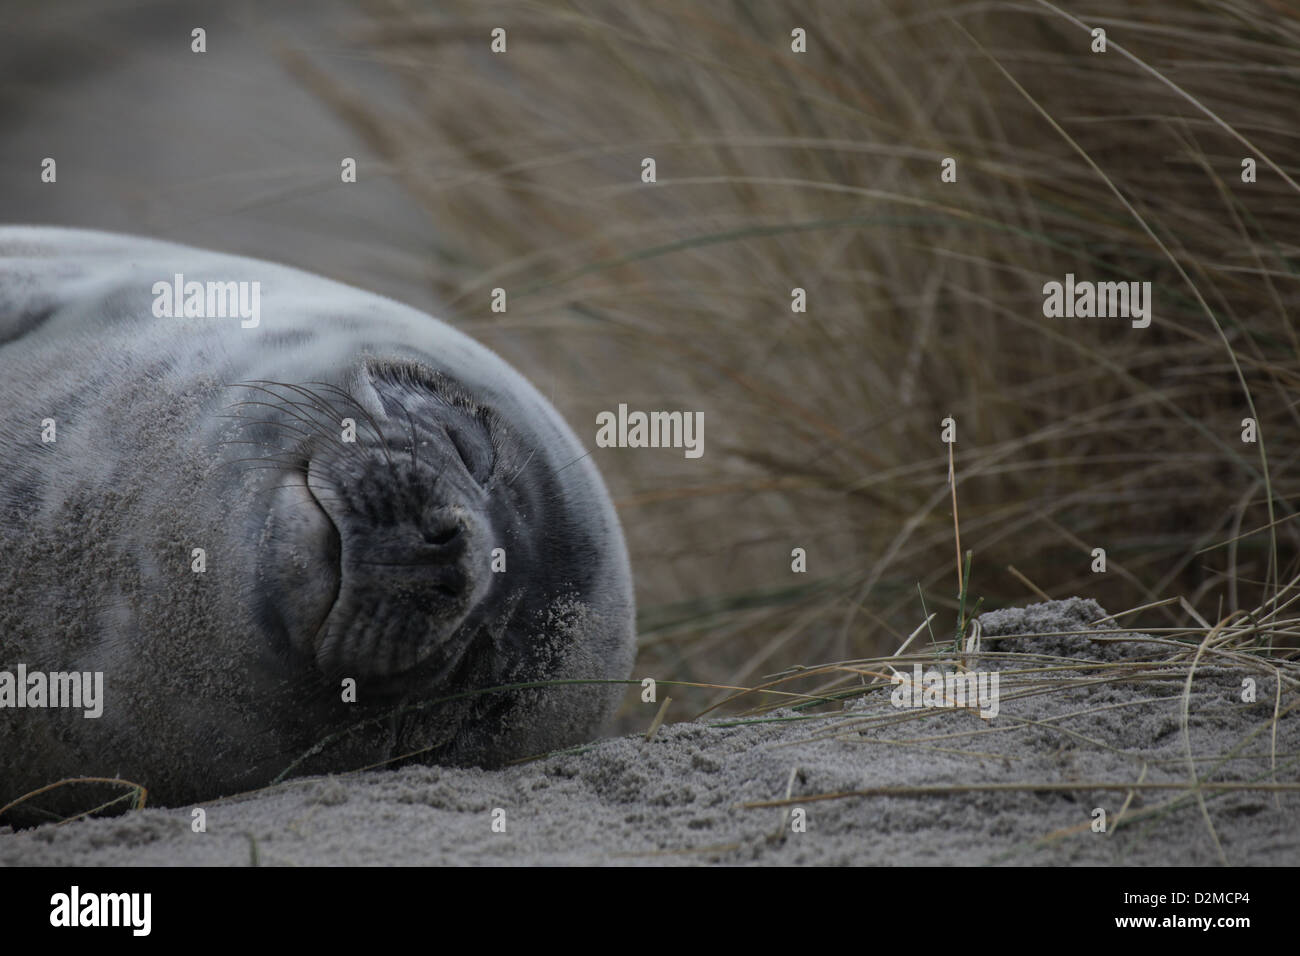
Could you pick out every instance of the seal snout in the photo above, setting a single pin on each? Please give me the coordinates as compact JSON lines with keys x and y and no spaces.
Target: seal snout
{"x":378,"y":547}
{"x":413,"y":550}
{"x":429,"y":556}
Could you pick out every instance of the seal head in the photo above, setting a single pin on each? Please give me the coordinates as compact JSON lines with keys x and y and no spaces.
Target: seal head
{"x":382,"y":547}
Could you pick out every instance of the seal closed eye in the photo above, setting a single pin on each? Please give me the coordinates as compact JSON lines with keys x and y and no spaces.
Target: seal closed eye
{"x":300,"y":545}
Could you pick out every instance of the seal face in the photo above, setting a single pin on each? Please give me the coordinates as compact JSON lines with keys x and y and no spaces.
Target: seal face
{"x":311,"y":543}
{"x":398,"y":527}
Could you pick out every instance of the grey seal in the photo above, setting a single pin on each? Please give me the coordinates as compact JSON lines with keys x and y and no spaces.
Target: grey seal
{"x":295,"y":526}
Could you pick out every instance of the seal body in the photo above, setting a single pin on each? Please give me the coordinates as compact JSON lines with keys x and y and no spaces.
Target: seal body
{"x":296,"y":538}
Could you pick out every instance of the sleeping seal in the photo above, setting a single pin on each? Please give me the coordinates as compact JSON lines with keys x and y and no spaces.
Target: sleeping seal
{"x":287,"y":524}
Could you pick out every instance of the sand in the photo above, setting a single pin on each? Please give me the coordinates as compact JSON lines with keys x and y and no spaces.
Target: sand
{"x":679,"y":797}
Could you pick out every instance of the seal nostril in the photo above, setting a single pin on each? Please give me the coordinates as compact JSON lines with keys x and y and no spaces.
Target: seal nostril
{"x":444,"y":535}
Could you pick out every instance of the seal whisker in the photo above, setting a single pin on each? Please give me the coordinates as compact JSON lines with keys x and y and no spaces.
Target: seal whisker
{"x":283,"y":404}
{"x":415,"y":438}
{"x":271,"y":488}
{"x":521,"y":467}
{"x":574,"y":461}
{"x":316,"y":426}
{"x":317,"y":403}
{"x":305,"y":446}
{"x":274,"y":463}
{"x":352,"y":399}
{"x":306,"y":436}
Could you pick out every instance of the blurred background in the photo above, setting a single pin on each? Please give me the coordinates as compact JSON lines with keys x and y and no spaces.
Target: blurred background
{"x":776,"y":170}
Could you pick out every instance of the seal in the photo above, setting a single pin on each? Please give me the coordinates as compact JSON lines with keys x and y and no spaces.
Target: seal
{"x":295,"y":527}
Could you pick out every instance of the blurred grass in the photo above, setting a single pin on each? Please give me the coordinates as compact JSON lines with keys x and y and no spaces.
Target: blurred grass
{"x":821,"y":171}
